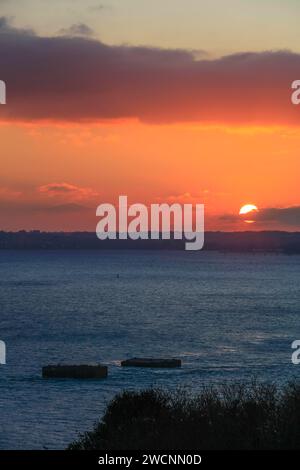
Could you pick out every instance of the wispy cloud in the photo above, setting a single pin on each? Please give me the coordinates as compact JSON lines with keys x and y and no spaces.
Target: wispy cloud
{"x":67,"y":191}
{"x":78,"y":29}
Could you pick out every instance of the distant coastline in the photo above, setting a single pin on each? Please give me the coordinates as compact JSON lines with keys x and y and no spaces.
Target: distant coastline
{"x":264,"y":241}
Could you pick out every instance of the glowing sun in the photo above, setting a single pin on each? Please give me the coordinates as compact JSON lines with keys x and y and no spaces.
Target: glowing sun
{"x":248,"y":209}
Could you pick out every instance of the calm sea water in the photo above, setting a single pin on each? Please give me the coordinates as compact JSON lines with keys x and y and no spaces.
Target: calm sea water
{"x":227,"y":316}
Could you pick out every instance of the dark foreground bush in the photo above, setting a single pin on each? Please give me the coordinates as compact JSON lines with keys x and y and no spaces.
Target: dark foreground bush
{"x":234,"y":416}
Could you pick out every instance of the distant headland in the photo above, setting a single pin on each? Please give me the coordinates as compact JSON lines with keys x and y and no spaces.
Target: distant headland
{"x":266,"y":241}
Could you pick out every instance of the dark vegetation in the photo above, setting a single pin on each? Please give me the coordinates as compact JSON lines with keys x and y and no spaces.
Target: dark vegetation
{"x":235,"y":416}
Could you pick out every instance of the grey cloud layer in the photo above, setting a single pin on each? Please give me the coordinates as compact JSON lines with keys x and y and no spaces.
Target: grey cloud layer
{"x":78,"y":78}
{"x":285,"y":216}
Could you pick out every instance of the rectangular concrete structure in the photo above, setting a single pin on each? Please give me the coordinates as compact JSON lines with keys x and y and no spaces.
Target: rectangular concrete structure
{"x":149,"y":362}
{"x":82,"y":371}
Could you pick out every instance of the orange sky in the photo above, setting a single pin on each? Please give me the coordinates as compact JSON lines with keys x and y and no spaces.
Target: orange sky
{"x":74,"y":167}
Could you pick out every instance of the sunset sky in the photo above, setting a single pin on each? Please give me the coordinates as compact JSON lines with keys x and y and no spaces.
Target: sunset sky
{"x":165,"y":101}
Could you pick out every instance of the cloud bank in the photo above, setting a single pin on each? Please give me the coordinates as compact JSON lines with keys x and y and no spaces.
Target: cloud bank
{"x":288,"y":217}
{"x":80,"y":78}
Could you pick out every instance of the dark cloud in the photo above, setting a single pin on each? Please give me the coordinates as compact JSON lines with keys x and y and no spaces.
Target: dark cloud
{"x":288,"y":217}
{"x":80,"y":78}
{"x":284,"y":216}
{"x":79,"y":29}
{"x":7,"y":29}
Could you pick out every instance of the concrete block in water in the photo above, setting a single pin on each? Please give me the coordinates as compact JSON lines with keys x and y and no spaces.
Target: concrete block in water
{"x":149,"y":362}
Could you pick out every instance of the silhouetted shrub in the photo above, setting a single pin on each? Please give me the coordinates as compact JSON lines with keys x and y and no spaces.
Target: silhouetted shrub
{"x":235,"y":416}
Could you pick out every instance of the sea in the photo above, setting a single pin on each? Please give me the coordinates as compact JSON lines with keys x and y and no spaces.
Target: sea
{"x":227,"y":316}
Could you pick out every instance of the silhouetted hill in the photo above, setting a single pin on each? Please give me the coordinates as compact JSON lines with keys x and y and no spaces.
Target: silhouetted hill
{"x":287,"y":242}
